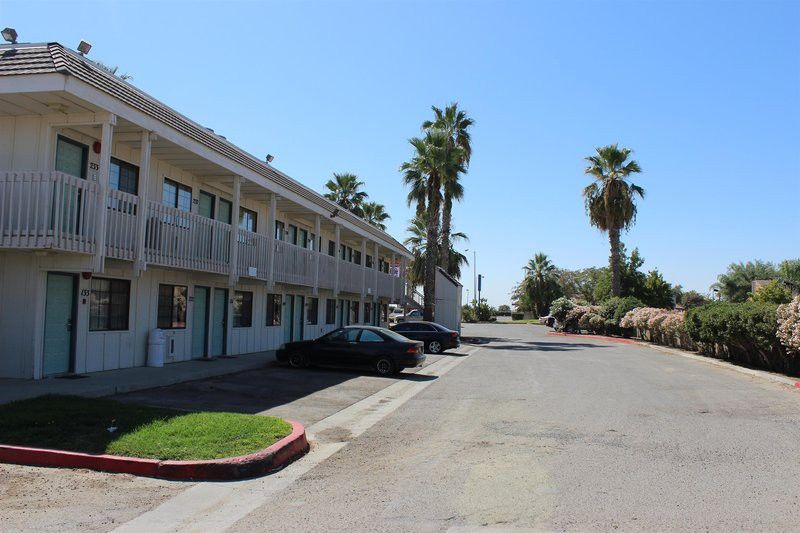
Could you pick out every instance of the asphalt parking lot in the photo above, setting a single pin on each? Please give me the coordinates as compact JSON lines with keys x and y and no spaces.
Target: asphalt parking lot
{"x":304,"y":395}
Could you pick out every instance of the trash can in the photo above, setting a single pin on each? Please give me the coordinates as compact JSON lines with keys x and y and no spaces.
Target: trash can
{"x":156,"y":347}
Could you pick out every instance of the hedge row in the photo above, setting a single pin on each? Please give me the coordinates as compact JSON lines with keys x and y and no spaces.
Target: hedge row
{"x":752,"y":333}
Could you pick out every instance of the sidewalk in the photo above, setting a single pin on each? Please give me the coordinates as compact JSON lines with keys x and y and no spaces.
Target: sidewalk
{"x":131,"y":379}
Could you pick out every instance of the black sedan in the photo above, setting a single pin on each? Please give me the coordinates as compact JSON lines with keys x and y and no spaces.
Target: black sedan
{"x":436,"y":337}
{"x":382,"y":349}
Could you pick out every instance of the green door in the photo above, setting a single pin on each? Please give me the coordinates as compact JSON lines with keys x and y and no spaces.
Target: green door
{"x":200,"y":322}
{"x":71,"y":158}
{"x":299,"y":318}
{"x":288,"y":312}
{"x":219,"y":319}
{"x":58,"y":324}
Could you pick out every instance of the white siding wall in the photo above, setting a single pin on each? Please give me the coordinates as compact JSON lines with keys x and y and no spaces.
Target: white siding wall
{"x":23,"y":275}
{"x":448,"y":302}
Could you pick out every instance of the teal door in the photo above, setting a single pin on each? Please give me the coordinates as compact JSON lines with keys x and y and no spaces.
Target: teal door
{"x":58,"y":324}
{"x":71,"y":158}
{"x":219,"y":320}
{"x":288,"y":313}
{"x":200,"y":322}
{"x":299,"y":318}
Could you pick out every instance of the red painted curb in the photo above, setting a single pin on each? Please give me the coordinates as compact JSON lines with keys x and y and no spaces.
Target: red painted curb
{"x":588,"y":336}
{"x":245,"y":466}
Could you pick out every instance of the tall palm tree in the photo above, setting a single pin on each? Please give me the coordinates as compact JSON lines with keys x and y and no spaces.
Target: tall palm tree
{"x":344,"y":189}
{"x":540,"y":275}
{"x":611,"y":199}
{"x":434,"y":157}
{"x":418,"y":190}
{"x":417,"y":241}
{"x":375,"y":214}
{"x":456,"y":125}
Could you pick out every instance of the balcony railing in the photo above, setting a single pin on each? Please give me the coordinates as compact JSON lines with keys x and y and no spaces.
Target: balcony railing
{"x":294,"y":264}
{"x":350,"y":277}
{"x":40,"y":210}
{"x":179,"y":239}
{"x":47,"y":210}
{"x":327,"y":271}
{"x":121,"y":225}
{"x":253,"y":255}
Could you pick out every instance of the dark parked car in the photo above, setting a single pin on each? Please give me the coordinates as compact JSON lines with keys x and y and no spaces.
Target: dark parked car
{"x":382,"y":349}
{"x":436,"y":337}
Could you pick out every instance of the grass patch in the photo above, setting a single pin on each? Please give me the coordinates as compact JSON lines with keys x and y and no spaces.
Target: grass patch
{"x":80,"y":425}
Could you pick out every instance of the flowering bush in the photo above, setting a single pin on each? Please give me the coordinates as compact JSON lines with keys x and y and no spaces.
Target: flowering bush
{"x":663,"y":326}
{"x":560,"y":307}
{"x":574,"y":320}
{"x":789,"y":325}
{"x":597,"y":323}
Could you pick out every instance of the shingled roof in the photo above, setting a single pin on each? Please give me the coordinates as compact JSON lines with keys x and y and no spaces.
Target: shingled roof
{"x":48,"y":58}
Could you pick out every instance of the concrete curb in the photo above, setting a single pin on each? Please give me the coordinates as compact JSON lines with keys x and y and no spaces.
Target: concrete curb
{"x":256,"y":464}
{"x":764,"y":374}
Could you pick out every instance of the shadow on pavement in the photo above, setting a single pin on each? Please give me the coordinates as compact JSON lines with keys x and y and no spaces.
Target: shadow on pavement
{"x":255,"y":391}
{"x":545,"y":346}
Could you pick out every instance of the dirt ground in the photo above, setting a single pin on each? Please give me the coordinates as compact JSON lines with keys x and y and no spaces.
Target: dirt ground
{"x":54,"y":499}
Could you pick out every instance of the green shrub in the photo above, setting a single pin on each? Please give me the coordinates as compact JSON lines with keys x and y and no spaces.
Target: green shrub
{"x":517,"y":316}
{"x":773,"y":292}
{"x":614,"y":309}
{"x":468,"y":314}
{"x":742,"y":332}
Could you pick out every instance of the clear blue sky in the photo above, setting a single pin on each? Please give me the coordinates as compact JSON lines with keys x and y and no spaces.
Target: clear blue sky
{"x":706,"y":93}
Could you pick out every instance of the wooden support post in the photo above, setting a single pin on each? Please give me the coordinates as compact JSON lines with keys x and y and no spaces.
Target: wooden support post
{"x":376,"y":265}
{"x":363,"y":268}
{"x":102,"y":192}
{"x":233,"y":274}
{"x":142,"y":210}
{"x":317,"y":248}
{"x":273,"y":206}
{"x":338,"y":231}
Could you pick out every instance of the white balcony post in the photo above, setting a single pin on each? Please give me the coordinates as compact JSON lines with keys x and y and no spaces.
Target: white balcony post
{"x":376,"y":266}
{"x":273,"y":206}
{"x":142,"y":213}
{"x":363,"y":268}
{"x":403,"y":278}
{"x":394,"y":281}
{"x":338,"y":231}
{"x":233,"y":274}
{"x":317,"y":248}
{"x":102,"y":192}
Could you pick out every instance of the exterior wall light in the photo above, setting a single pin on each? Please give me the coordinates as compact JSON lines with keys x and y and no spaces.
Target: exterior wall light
{"x":84,"y":47}
{"x":10,"y":35}
{"x":270,"y":157}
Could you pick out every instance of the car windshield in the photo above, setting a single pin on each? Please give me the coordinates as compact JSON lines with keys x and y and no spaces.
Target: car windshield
{"x":394,"y":336}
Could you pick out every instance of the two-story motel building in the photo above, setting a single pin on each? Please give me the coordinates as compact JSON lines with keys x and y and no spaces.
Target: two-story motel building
{"x":119,"y":215}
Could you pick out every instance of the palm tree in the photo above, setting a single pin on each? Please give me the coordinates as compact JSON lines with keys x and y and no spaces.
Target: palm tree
{"x":540,"y":274}
{"x":418,"y":193}
{"x":610,"y":199}
{"x":345,"y":190}
{"x":456,"y":125}
{"x":434,"y":157}
{"x":375,"y":214}
{"x":417,"y":241}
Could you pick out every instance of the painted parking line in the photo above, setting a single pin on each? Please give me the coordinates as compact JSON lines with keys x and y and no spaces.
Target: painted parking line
{"x":217,"y":506}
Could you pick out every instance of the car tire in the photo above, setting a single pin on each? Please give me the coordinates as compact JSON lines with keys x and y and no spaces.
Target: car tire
{"x":434,"y":347}
{"x":385,"y":366}
{"x":298,"y":360}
